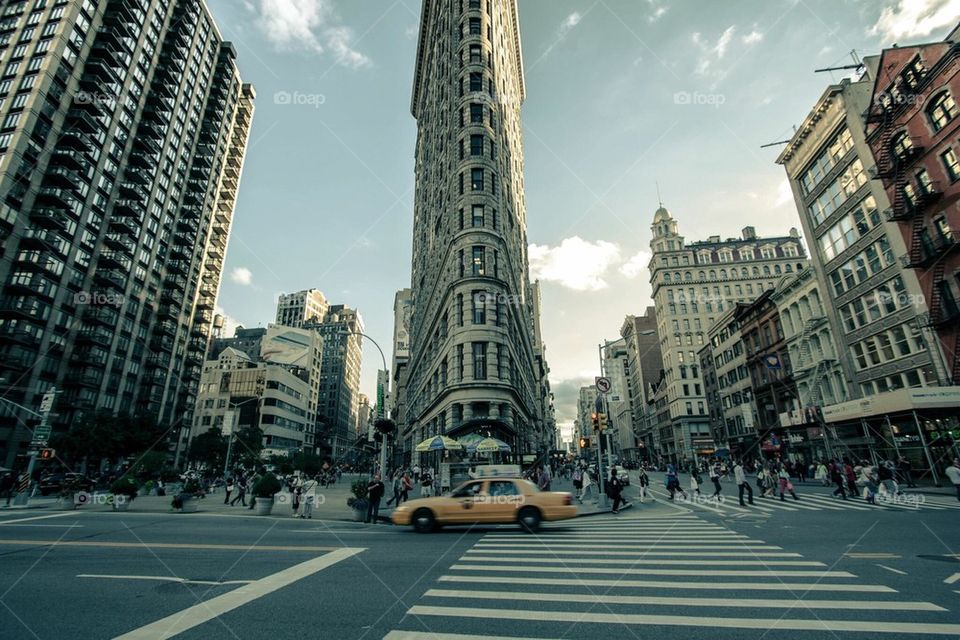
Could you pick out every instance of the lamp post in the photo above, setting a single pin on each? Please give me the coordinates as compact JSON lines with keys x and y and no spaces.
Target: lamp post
{"x":386,"y":412}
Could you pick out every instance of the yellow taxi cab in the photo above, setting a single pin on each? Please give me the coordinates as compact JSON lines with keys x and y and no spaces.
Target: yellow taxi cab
{"x":495,"y":500}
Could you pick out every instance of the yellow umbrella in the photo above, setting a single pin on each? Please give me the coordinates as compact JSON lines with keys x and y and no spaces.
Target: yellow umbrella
{"x":439,"y":443}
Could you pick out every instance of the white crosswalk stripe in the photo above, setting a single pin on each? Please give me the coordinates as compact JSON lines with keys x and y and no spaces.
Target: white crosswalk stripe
{"x":599,"y":573}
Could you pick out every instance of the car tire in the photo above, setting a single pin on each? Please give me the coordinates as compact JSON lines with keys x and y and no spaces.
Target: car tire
{"x":529,"y":519}
{"x":423,"y":521}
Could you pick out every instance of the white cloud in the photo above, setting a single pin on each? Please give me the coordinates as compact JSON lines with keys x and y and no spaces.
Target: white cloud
{"x":241,"y":276}
{"x":657,"y":14}
{"x":636,"y":264}
{"x":752,"y":38}
{"x":309,"y":25}
{"x":575,"y":263}
{"x":568,"y":24}
{"x":912,"y":18}
{"x":712,"y":52}
{"x":230,"y":323}
{"x":784,"y":194}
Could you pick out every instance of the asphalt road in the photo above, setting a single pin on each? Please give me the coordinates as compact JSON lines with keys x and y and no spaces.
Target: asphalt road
{"x":684,"y":571}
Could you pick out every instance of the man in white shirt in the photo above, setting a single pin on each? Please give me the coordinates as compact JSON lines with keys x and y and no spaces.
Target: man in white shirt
{"x":741,"y":478}
{"x":953,"y":472}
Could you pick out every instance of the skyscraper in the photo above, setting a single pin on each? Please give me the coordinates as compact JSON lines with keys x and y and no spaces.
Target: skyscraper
{"x":473,"y":354}
{"x":123,"y":135}
{"x":297,"y":309}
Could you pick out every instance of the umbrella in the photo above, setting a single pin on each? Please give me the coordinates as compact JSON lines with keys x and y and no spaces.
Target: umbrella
{"x":490,"y":444}
{"x":439,"y":443}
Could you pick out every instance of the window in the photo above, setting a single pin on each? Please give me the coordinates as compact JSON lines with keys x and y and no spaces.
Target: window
{"x":478,"y":215}
{"x":951,"y":164}
{"x":476,"y":55}
{"x":479,"y":261}
{"x":902,"y":145}
{"x":476,"y":82}
{"x":474,"y":29}
{"x":476,"y":113}
{"x":942,"y":110}
{"x":476,"y":145}
{"x":479,"y":307}
{"x":479,"y":360}
{"x":476,"y":179}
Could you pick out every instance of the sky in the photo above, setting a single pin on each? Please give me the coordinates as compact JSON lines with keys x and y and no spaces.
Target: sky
{"x":622,"y":96}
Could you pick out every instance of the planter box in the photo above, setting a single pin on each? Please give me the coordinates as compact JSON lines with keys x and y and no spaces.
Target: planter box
{"x":66,"y":504}
{"x":121,"y":503}
{"x":359,"y":515}
{"x":264,"y":506}
{"x":190,"y":505}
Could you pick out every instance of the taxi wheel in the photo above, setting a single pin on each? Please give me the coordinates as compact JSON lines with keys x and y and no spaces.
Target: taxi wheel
{"x":529,"y":518}
{"x":423,"y":521}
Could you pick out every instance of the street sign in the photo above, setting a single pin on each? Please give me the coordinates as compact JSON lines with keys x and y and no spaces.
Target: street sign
{"x":46,"y":404}
{"x":603,"y":384}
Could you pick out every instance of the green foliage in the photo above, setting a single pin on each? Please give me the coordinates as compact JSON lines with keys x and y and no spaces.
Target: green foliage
{"x":125,"y":486}
{"x":359,"y":498}
{"x":151,"y":464}
{"x":309,"y":463}
{"x":103,"y":434}
{"x":248,"y":445}
{"x":266,"y":486}
{"x":209,"y":449}
{"x":283,"y":464}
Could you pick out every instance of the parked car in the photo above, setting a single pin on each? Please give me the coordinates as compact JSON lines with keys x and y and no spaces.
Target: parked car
{"x":54,"y":482}
{"x":500,"y":500}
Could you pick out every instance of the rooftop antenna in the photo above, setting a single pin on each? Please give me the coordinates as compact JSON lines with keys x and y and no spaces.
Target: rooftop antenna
{"x":778,"y":143}
{"x":659,"y":199}
{"x":857,"y":64}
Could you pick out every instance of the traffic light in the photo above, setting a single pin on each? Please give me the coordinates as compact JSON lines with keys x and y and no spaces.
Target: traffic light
{"x":584,"y":442}
{"x":596,"y":422}
{"x":602,"y":420}
{"x":47,"y":454}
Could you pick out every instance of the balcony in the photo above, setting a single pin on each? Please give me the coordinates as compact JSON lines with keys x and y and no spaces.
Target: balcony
{"x":85,"y":377}
{"x":114,"y":259}
{"x":94,"y":335}
{"x":22,"y":307}
{"x":69,"y":158}
{"x":930,"y":195}
{"x":161,"y":343}
{"x":89,"y":356}
{"x":158,"y":361}
{"x":932,"y":249}
{"x":176,"y":283}
{"x":178,"y":267}
{"x":151,"y":129}
{"x":57,"y":197}
{"x":170,"y":296}
{"x":128,"y":207}
{"x":143,"y":160}
{"x":165,"y":328}
{"x":134,"y":191}
{"x":126,"y":226}
{"x":168,"y":311}
{"x":111,"y":277}
{"x":64,"y":177}
{"x":75,"y":139}
{"x":50,"y":218}
{"x":100,"y":315}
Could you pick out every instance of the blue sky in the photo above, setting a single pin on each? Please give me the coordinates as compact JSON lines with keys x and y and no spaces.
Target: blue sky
{"x":621,"y":94}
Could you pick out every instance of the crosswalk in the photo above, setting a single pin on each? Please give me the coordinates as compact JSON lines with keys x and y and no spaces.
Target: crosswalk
{"x":650,"y":576}
{"x":729,"y":503}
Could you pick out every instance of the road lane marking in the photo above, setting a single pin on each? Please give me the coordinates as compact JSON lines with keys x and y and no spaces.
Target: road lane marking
{"x":208,"y":610}
{"x":417,"y":635}
{"x":872,"y":556}
{"x":883,"y":566}
{"x":160,"y":545}
{"x":678,"y":547}
{"x":657,"y":572}
{"x":778,"y":624}
{"x":162,"y":579}
{"x":605,"y":598}
{"x":46,"y":517}
{"x":592,"y":552}
{"x":631,"y":561}
{"x":952,"y":578}
{"x":671,"y":584}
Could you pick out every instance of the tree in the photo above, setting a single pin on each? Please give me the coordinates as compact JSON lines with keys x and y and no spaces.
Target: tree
{"x":209,"y":449}
{"x":309,"y":463}
{"x":248,"y":445}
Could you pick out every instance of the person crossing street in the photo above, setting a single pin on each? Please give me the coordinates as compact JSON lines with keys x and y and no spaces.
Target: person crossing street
{"x":741,"y":478}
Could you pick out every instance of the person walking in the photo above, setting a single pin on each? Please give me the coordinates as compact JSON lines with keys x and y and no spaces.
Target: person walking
{"x":426,"y":484}
{"x":578,"y":480}
{"x":375,"y":491}
{"x":821,"y":475}
{"x":905,"y":471}
{"x":715,"y":477}
{"x":229,"y":489}
{"x":868,"y":480}
{"x":241,"y":496}
{"x":588,"y":485}
{"x":953,"y":473}
{"x":416,"y":473}
{"x":801,"y":471}
{"x":309,"y":490}
{"x":672,"y":482}
{"x":543,"y":481}
{"x":295,"y":495}
{"x":643,"y":480}
{"x":695,"y":480}
{"x":836,"y":475}
{"x":885,"y":476}
{"x":406,"y":485}
{"x":740,"y":477}
{"x":785,"y":485}
{"x":397,"y":487}
{"x":7,"y":483}
{"x":615,"y":490}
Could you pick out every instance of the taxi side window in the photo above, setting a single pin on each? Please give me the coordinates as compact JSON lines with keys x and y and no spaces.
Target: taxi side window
{"x":470,"y":490}
{"x":501,"y":488}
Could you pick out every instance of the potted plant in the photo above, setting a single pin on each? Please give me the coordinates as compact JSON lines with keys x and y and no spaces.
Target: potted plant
{"x":124,"y":490}
{"x":358,"y":501}
{"x":147,"y":488}
{"x":264,"y":489}
{"x":186,"y":501}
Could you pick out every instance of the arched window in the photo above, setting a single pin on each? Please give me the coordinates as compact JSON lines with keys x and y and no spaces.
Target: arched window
{"x":776,"y":269}
{"x":744,"y":273}
{"x":713,"y":274}
{"x":766,"y":270}
{"x":788,"y":268}
{"x":723,"y":274}
{"x":756,"y":272}
{"x":701,"y":275}
{"x":666,"y":277}
{"x":942,"y":110}
{"x":687,"y":276}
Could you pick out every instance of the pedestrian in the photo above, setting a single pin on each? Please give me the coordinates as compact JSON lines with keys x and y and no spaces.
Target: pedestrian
{"x":252,"y":481}
{"x":695,"y":480}
{"x":850,"y":476}
{"x":229,"y":490}
{"x":543,"y":481}
{"x":953,"y":472}
{"x":588,"y":484}
{"x":740,"y":477}
{"x":416,"y":473}
{"x":785,"y":485}
{"x":397,"y":489}
{"x":578,"y":480}
{"x":295,"y":495}
{"x":615,"y":490}
{"x":885,"y":472}
{"x":838,"y":479}
{"x":407,"y":487}
{"x":767,"y":482}
{"x":905,"y":471}
{"x":437,"y":488}
{"x":821,"y":474}
{"x":672,"y":482}
{"x":375,"y":492}
{"x":309,"y":490}
{"x":715,"y":476}
{"x":426,"y":484}
{"x":644,"y":481}
{"x":241,"y":496}
{"x":6,"y":487}
{"x":868,"y":480}
{"x":801,"y":470}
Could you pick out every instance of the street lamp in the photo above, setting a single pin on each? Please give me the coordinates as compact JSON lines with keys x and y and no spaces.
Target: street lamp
{"x":386,"y":412}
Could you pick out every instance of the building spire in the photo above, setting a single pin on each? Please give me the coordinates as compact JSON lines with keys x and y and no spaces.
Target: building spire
{"x":659,"y":199}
